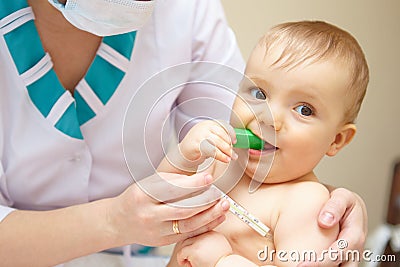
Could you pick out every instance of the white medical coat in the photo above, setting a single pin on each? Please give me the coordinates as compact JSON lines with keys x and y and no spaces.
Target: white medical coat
{"x":43,"y":168}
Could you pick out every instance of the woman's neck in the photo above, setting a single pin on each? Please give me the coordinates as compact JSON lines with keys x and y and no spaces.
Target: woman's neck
{"x":71,"y":49}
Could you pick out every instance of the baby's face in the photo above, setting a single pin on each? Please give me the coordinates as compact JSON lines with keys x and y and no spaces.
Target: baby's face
{"x":298,"y":112}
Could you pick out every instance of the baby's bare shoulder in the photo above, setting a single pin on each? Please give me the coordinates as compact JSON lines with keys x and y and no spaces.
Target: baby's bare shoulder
{"x":308,"y":186}
{"x":307,"y":195}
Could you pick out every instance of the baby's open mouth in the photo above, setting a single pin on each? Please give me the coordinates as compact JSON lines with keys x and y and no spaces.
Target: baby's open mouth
{"x":268,"y":146}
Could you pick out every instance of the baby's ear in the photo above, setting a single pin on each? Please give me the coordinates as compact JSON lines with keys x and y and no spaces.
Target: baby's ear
{"x":342,"y":138}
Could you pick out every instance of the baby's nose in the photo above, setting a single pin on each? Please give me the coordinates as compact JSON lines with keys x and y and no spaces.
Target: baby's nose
{"x":271,"y":116}
{"x":266,"y":117}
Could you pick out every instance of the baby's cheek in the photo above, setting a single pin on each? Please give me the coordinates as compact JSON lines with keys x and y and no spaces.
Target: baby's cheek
{"x":242,"y":114}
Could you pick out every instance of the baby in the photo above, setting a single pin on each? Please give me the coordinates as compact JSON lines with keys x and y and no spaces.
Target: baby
{"x":305,"y":82}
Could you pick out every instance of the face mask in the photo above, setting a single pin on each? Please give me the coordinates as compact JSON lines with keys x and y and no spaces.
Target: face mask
{"x":106,"y":17}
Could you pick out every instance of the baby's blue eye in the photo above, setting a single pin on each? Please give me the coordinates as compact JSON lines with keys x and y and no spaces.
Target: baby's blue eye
{"x":257,"y":93}
{"x":304,"y":110}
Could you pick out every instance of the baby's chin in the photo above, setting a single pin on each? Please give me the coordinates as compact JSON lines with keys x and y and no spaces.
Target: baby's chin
{"x":265,"y":174}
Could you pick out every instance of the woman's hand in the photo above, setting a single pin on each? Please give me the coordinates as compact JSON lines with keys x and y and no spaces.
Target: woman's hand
{"x":348,"y":209}
{"x":204,"y":250}
{"x":145,"y":212}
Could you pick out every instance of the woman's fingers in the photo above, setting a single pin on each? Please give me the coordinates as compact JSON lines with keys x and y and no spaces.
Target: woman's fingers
{"x":335,"y":208}
{"x":137,"y":218}
{"x":188,"y":199}
{"x":349,"y":209}
{"x":345,"y":207}
{"x":169,"y":187}
{"x":190,"y":219}
{"x":173,"y":238}
{"x":198,"y":200}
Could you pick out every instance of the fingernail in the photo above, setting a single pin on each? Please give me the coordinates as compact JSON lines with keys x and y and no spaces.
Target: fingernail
{"x":327,"y":218}
{"x":208,"y":179}
{"x":234,"y":155}
{"x":225,"y":205}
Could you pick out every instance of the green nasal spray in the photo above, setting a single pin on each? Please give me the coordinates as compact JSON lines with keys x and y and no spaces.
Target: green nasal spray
{"x":247,"y":139}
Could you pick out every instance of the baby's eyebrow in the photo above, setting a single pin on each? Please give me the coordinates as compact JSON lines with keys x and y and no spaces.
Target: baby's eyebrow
{"x":259,"y":82}
{"x":306,"y":91}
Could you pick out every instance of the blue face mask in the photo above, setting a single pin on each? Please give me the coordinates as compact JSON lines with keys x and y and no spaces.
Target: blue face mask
{"x":106,"y":17}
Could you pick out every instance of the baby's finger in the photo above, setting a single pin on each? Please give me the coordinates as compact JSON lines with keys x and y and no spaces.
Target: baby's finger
{"x":209,"y":149}
{"x":222,"y":156}
{"x":220,"y":131}
{"x":218,"y":148}
{"x":229,"y":129}
{"x":183,"y":255}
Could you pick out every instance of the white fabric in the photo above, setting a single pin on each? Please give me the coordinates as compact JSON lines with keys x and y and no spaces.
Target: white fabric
{"x":89,"y":96}
{"x":106,"y":17}
{"x":62,"y":104}
{"x":113,"y":57}
{"x":395,"y":240}
{"x":5,"y":200}
{"x":111,"y":260}
{"x":378,"y":240}
{"x":37,"y":71}
{"x":42,"y":168}
{"x":15,"y":20}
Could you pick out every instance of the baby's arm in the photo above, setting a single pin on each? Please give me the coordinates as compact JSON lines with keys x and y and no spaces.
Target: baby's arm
{"x":206,"y":139}
{"x":204,"y":250}
{"x":297,"y":232}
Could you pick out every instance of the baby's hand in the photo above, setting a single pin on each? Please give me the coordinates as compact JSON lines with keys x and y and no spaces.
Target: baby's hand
{"x":203,"y":250}
{"x":208,"y":139}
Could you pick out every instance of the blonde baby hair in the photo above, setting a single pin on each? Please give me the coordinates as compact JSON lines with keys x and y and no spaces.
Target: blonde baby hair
{"x":307,"y":42}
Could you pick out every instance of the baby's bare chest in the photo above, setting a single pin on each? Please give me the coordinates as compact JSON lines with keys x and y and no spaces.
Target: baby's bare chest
{"x":244,"y":240}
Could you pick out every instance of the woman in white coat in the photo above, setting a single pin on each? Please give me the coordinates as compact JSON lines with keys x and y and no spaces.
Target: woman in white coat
{"x":67,"y":75}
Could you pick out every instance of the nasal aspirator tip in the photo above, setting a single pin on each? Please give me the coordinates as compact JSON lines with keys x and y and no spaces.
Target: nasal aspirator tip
{"x":247,"y":139}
